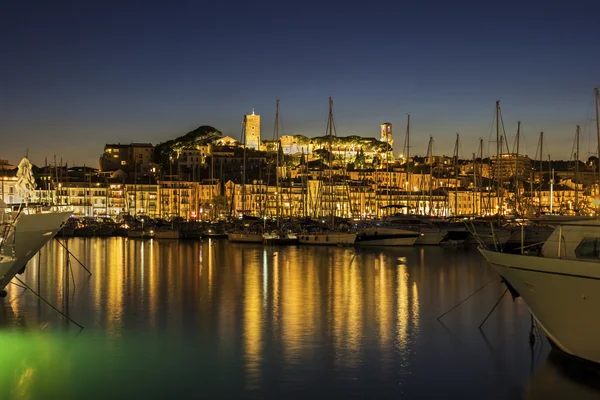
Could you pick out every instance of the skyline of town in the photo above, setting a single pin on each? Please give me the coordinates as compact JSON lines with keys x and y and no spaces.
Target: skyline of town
{"x":71,"y":84}
{"x":529,"y":143}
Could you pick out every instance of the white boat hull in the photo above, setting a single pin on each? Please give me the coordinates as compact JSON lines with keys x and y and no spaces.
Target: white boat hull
{"x":245,"y":237}
{"x":563,"y":296}
{"x":327,"y":239}
{"x":30,"y":234}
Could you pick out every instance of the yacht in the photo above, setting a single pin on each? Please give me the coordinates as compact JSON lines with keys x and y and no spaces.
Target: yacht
{"x":561,"y":286}
{"x":429,"y":234}
{"x":487,"y":232}
{"x":280,"y":238}
{"x":527,"y":235}
{"x":370,"y":234}
{"x":25,"y":232}
{"x":323,"y":234}
{"x":327,"y":238}
{"x":245,"y":237}
{"x":251,"y":233}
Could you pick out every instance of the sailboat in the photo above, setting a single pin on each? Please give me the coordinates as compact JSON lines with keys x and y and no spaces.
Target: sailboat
{"x":281,"y":235}
{"x":330,"y":235}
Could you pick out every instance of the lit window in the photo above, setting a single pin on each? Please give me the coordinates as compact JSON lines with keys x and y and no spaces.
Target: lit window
{"x":123,"y":162}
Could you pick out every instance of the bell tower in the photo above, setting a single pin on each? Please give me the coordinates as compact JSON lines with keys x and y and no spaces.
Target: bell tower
{"x":252,"y":130}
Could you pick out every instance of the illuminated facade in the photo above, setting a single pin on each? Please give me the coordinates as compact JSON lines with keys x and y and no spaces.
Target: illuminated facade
{"x":127,"y":157}
{"x":386,"y":133}
{"x":252,"y":130}
{"x":507,"y":165}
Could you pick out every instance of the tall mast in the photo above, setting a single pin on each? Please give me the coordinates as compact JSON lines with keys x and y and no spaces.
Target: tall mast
{"x":541,"y":170}
{"x":331,"y":209}
{"x":408,"y":171}
{"x":456,"y":175}
{"x":481,"y":167}
{"x":212,"y":184}
{"x":430,"y":157}
{"x":475,"y":212}
{"x":551,"y":183}
{"x":597,"y":132}
{"x":498,"y":151}
{"x":577,"y":169}
{"x":244,"y":169}
{"x":517,"y":194}
{"x":277,"y":189}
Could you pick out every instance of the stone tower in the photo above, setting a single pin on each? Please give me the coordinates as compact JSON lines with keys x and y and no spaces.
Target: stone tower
{"x":386,"y":133}
{"x":252,"y":130}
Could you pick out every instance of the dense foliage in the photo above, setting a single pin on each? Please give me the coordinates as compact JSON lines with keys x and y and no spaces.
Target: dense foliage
{"x":200,"y":136}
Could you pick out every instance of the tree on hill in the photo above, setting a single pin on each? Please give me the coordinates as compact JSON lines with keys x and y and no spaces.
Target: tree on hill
{"x":360,"y":160}
{"x":200,"y":136}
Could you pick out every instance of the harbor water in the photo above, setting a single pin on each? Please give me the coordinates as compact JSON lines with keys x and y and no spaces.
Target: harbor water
{"x":177,"y":319}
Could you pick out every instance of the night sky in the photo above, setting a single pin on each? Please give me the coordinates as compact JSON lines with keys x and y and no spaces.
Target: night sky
{"x":76,"y":75}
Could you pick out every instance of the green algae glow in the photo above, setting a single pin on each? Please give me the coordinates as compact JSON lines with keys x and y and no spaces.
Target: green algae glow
{"x":32,"y":366}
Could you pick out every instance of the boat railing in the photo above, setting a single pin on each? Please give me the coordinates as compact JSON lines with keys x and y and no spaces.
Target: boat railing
{"x":7,"y":227}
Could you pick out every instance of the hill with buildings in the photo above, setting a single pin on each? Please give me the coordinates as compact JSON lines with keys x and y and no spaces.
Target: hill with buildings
{"x":171,"y":149}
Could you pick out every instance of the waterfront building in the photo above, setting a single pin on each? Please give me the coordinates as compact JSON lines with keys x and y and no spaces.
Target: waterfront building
{"x":8,"y":183}
{"x":126,"y":157}
{"x":509,"y":165}
{"x":226,"y":141}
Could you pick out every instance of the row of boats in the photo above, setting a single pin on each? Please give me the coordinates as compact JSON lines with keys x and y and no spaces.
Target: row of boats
{"x":396,"y":230}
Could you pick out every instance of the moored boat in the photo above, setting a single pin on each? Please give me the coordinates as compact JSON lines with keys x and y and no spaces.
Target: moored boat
{"x":327,"y":238}
{"x":561,"y":287}
{"x":429,"y":234}
{"x":29,"y":231}
{"x":245,"y":237}
{"x":385,"y":236}
{"x":280,"y":239}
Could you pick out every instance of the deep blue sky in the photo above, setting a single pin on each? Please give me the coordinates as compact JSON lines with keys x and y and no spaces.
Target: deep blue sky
{"x":75,"y":75}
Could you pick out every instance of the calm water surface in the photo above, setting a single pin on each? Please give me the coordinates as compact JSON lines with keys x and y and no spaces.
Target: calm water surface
{"x":197,"y":320}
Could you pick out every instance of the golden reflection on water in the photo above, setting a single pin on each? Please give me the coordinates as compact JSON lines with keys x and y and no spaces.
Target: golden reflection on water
{"x":304,"y":298}
{"x":258,"y":314}
{"x":347,"y":295}
{"x":253,"y":322}
{"x":385,"y":303}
